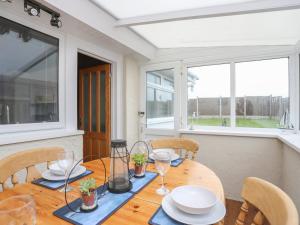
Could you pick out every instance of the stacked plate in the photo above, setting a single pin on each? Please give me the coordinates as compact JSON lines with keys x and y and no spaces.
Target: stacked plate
{"x":193,"y":205}
{"x":174,"y":156}
{"x":55,"y":173}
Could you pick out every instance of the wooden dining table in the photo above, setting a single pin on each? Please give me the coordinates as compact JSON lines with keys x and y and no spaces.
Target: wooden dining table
{"x":138,"y":210}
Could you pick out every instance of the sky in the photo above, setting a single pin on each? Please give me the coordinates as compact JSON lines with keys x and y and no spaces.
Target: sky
{"x":256,"y":78}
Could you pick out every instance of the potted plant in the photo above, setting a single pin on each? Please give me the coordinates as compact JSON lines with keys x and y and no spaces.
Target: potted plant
{"x":88,"y":194}
{"x":140,"y":160}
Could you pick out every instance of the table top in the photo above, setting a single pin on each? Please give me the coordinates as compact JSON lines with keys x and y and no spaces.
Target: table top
{"x":136,"y":211}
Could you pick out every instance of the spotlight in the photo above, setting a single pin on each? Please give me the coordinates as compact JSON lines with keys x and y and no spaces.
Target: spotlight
{"x":33,"y":8}
{"x":55,"y":21}
{"x":33,"y":11}
{"x":10,"y":1}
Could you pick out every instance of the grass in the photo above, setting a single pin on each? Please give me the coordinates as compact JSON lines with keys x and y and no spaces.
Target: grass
{"x":240,"y":122}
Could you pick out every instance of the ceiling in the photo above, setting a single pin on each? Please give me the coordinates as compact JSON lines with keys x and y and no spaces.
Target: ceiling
{"x":264,"y":28}
{"x":131,"y":8}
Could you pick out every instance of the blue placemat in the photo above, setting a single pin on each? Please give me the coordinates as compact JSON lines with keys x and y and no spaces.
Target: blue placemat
{"x":161,"y":218}
{"x":139,"y":183}
{"x":108,"y":203}
{"x":174,"y":163}
{"x":53,"y":185}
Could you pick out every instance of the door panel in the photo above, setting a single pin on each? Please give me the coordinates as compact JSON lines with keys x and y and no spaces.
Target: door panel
{"x":94,"y":110}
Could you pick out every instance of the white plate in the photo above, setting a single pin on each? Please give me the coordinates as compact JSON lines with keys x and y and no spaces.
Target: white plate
{"x":50,"y":176}
{"x":216,"y":214}
{"x":193,"y":199}
{"x":174,"y":156}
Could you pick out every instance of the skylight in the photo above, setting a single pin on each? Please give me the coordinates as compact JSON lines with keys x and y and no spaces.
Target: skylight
{"x":131,"y":8}
{"x":256,"y":28}
{"x":269,"y":28}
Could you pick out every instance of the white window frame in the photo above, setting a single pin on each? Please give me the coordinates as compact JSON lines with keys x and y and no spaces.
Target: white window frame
{"x":177,"y":101}
{"x":181,"y":91}
{"x":10,"y":128}
{"x":293,"y":87}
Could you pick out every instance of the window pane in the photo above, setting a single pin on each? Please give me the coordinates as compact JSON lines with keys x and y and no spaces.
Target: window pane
{"x":94,"y":102}
{"x":262,"y":93}
{"x":102,"y":101}
{"x":28,"y":75}
{"x":160,"y":99}
{"x":209,"y":96}
{"x":86,"y":101}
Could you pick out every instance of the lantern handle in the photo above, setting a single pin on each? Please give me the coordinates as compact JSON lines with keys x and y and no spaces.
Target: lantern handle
{"x":145,"y":143}
{"x":67,"y":181}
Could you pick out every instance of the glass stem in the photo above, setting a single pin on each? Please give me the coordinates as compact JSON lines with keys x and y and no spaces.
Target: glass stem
{"x":163,"y":182}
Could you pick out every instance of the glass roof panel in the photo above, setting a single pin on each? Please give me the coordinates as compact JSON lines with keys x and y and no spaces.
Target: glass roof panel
{"x":268,"y":28}
{"x":131,"y":8}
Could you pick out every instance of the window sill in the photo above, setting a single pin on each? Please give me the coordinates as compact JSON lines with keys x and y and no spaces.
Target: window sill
{"x":243,"y":132}
{"x":19,"y":137}
{"x":289,"y":138}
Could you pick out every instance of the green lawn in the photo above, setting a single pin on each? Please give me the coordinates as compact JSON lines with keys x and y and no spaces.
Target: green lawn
{"x":241,"y":122}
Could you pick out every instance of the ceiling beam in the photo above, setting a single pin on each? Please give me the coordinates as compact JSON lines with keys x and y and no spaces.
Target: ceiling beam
{"x":212,"y":11}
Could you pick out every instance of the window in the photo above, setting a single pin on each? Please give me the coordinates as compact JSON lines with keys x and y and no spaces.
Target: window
{"x":28,"y":75}
{"x":160,"y":99}
{"x":262,"y":93}
{"x":209,"y":96}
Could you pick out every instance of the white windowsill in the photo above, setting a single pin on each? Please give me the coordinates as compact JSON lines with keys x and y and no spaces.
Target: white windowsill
{"x":18,"y":137}
{"x":289,"y":137}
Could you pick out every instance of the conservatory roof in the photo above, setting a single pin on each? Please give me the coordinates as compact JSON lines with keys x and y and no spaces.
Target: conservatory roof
{"x":209,"y":23}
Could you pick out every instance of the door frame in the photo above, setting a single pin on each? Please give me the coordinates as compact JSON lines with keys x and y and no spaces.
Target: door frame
{"x":90,"y":134}
{"x":114,"y":130}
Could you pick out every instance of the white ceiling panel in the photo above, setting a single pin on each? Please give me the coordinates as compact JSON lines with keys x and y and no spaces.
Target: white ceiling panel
{"x":268,"y":28}
{"x":130,"y":8}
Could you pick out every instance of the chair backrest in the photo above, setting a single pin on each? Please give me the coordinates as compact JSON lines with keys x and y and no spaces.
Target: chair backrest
{"x":12,"y":164}
{"x":271,"y":202}
{"x":178,"y":144}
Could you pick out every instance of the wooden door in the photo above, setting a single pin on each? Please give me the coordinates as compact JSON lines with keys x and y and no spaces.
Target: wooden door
{"x":94,"y":110}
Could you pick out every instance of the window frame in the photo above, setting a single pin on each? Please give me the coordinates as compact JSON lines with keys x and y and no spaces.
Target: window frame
{"x":293,"y":86}
{"x":181,"y":90}
{"x":24,"y":127}
{"x":143,"y":89}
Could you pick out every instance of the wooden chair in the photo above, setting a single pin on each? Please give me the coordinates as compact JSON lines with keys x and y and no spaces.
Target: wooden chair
{"x":12,"y":164}
{"x":271,"y":202}
{"x":177,"y":144}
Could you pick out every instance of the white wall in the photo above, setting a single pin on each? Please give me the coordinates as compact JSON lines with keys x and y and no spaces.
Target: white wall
{"x":291,"y":174}
{"x":132,"y":76}
{"x":72,"y":142}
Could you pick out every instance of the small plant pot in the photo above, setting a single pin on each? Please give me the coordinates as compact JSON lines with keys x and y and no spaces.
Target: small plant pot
{"x":89,"y":202}
{"x":139,"y":170}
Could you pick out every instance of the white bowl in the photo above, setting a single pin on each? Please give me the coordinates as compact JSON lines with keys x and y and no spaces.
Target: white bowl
{"x":56,"y":170}
{"x":172,"y":153}
{"x":193,"y":199}
{"x":170,"y":150}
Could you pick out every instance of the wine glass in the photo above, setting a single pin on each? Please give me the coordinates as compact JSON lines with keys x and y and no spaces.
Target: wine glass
{"x":65,"y":162}
{"x":162,"y":164}
{"x":18,"y":209}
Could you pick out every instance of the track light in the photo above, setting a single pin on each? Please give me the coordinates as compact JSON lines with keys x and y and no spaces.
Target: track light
{"x":55,"y":21}
{"x":33,"y":8}
{"x":33,"y":11}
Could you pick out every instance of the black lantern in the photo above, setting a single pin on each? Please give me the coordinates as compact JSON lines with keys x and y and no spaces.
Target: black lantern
{"x":119,"y":179}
